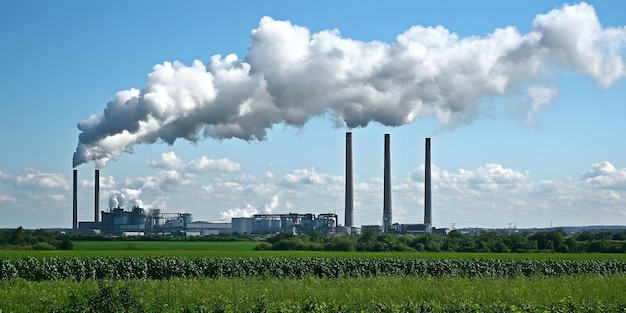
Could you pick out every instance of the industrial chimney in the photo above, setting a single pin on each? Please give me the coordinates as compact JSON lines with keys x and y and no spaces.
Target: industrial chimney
{"x":349,"y":215}
{"x":75,"y":197}
{"x":96,"y":205}
{"x":427,"y":187}
{"x":387,"y":221}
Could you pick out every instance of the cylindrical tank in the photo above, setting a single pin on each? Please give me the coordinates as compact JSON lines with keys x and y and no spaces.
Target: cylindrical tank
{"x":176,"y":222}
{"x":187,"y":219}
{"x":155,"y":217}
{"x":275,"y":226}
{"x":287,"y":224}
{"x":262,"y":226}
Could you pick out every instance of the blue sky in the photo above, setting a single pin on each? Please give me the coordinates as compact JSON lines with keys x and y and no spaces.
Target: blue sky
{"x":532,"y":142}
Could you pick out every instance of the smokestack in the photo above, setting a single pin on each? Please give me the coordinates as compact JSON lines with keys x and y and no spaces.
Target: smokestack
{"x":427,"y":189}
{"x":387,"y":186}
{"x":96,"y":205}
{"x":349,"y":190}
{"x":75,"y":198}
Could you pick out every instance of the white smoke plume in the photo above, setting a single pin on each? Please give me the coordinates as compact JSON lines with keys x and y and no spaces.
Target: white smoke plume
{"x":117,"y":200}
{"x":291,"y":75}
{"x":250,"y":210}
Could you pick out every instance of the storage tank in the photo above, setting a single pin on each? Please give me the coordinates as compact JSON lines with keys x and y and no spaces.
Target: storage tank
{"x":275,"y":225}
{"x":262,"y":226}
{"x":187,"y":219}
{"x":286,"y":224}
{"x":155,"y":217}
{"x":176,"y":222}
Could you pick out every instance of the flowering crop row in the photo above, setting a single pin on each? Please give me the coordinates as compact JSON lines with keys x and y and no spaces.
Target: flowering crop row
{"x":80,"y":268}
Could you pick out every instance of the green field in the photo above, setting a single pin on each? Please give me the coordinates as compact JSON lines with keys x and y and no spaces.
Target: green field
{"x":267,"y":293}
{"x":244,"y":249}
{"x":164,"y":245}
{"x":583,"y":293}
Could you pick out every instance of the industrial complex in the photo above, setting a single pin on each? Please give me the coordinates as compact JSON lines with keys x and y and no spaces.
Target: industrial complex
{"x":118,"y":221}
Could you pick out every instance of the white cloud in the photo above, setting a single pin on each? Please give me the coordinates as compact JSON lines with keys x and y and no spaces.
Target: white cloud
{"x":291,"y":75}
{"x":605,"y":175}
{"x":169,"y":161}
{"x":310,"y":176}
{"x":8,"y":199}
{"x":34,"y":179}
{"x":205,"y":164}
{"x":246,"y":211}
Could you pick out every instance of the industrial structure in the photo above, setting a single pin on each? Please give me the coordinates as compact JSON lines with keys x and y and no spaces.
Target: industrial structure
{"x":387,"y":216}
{"x":427,"y":186}
{"x":137,"y":221}
{"x":388,"y":226}
{"x":295,"y":223}
{"x":349,"y":215}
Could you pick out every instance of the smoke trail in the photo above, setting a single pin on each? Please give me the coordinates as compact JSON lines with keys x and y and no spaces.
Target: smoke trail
{"x":290,"y":76}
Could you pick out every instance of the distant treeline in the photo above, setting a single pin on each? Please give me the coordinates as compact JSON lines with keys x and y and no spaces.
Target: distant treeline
{"x":369,"y":240}
{"x":40,"y":239}
{"x":455,"y":241}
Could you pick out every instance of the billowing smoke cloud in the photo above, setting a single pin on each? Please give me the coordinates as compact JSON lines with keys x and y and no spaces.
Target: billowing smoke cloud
{"x":117,"y":200}
{"x":291,"y":75}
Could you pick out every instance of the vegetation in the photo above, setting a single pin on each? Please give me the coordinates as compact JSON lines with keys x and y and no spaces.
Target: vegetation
{"x":75,"y":268}
{"x":21,"y":239}
{"x":578,"y":293}
{"x":491,"y":242}
{"x":336,"y":274}
{"x":455,"y":241}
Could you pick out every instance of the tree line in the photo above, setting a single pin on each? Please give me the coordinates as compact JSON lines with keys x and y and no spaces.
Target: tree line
{"x":543,"y":241}
{"x":40,"y":239}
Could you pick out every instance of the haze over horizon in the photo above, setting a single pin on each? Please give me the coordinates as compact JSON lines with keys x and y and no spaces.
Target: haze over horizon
{"x":245,"y":111}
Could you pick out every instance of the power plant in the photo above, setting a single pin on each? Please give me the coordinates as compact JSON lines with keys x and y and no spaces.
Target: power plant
{"x":137,"y":221}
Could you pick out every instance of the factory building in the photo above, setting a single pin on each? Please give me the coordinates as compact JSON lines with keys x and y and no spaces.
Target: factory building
{"x":295,"y":223}
{"x":137,"y":222}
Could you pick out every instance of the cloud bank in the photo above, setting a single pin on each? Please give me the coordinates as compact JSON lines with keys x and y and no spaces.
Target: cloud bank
{"x":291,"y":76}
{"x":491,"y":195}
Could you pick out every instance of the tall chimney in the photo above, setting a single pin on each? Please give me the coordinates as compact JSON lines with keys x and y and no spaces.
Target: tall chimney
{"x":96,"y":205}
{"x":75,"y":198}
{"x":387,"y":221}
{"x":427,"y":187}
{"x":349,"y":222}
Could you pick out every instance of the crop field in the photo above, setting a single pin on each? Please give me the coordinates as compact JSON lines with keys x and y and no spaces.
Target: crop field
{"x":134,"y":276}
{"x":244,"y":249}
{"x":580,"y":293}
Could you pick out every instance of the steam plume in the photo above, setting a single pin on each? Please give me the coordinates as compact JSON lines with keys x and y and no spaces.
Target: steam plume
{"x":290,"y":76}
